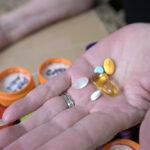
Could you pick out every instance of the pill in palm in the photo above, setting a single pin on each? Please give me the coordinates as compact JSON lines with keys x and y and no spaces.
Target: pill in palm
{"x":95,"y":95}
{"x":109,"y":66}
{"x":99,"y":79}
{"x":110,"y":88}
{"x":80,"y":83}
{"x":99,"y":69}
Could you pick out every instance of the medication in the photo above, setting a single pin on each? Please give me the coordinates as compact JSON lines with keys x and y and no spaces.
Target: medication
{"x":95,"y":95}
{"x":15,"y":83}
{"x":80,"y":83}
{"x":103,"y":83}
{"x":110,"y":88}
{"x":99,"y":69}
{"x":52,"y":67}
{"x":122,"y":144}
{"x":109,"y":66}
{"x":99,"y":79}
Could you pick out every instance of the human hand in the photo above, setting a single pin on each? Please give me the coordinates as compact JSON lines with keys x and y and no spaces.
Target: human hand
{"x":89,"y":123}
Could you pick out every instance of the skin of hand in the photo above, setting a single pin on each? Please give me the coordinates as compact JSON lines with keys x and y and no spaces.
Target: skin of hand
{"x":37,"y":14}
{"x":89,"y":123}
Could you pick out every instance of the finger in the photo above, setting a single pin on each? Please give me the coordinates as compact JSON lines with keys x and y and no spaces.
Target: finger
{"x":9,"y":134}
{"x":61,"y":122}
{"x":45,"y":113}
{"x":145,"y":133}
{"x":94,"y":130}
{"x":37,"y":97}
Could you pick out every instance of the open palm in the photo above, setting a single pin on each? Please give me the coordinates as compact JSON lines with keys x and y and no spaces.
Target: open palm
{"x":89,"y":123}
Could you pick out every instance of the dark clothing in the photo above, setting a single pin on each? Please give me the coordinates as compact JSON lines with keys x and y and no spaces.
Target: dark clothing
{"x":137,"y":10}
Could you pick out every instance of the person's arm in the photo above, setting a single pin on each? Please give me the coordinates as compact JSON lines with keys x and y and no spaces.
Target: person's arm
{"x":36,"y":14}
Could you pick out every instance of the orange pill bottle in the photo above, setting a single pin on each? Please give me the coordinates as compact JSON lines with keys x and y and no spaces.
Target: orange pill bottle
{"x":122,"y":144}
{"x":52,"y":67}
{"x":15,"y":83}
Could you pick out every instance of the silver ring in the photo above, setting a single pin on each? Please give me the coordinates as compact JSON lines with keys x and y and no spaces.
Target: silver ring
{"x":68,"y":100}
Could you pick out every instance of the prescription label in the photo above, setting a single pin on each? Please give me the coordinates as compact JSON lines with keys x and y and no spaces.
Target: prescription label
{"x":14,"y":82}
{"x":54,"y":69}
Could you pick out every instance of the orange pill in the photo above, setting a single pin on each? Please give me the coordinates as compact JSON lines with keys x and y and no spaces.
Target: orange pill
{"x":109,"y":66}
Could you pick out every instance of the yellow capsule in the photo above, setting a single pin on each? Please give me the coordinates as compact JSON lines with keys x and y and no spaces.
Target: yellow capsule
{"x":99,"y":79}
{"x":109,"y":88}
{"x":109,"y":66}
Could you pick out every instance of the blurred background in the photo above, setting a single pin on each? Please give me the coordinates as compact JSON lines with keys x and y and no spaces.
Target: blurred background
{"x":110,"y":12}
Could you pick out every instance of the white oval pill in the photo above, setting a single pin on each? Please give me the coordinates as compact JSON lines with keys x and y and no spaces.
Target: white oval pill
{"x":80,"y":83}
{"x":95,"y":95}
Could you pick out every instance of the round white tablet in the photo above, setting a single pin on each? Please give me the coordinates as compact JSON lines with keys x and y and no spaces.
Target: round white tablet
{"x":80,"y":83}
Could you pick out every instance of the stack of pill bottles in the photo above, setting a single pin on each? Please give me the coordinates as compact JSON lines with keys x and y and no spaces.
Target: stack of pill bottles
{"x":129,"y":137}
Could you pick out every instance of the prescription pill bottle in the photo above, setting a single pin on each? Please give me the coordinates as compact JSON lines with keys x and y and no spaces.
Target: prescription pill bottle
{"x":2,"y":124}
{"x":15,"y":83}
{"x":122,"y":144}
{"x":52,"y":67}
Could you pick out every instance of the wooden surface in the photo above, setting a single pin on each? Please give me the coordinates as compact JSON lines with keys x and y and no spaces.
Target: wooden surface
{"x":67,"y":39}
